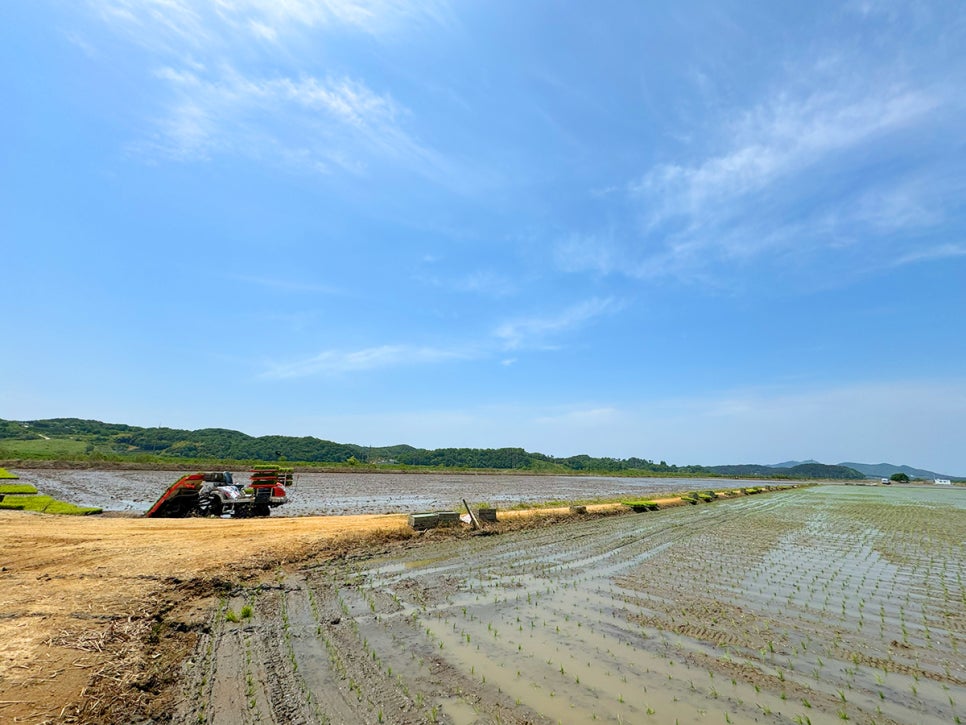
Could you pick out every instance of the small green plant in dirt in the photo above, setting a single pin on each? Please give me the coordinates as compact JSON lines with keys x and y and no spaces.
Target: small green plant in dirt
{"x":231,"y":616}
{"x":246,"y":611}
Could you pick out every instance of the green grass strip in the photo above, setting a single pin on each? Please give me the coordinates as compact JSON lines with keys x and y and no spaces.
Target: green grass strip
{"x":18,"y":488}
{"x":45,"y":504}
{"x":642,"y":505}
{"x":4,"y":473}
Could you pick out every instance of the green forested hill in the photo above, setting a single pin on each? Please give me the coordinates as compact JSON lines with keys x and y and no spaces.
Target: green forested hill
{"x":76,"y":439}
{"x":802,"y":470}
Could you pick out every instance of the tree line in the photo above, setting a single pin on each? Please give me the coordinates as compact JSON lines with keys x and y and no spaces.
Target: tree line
{"x":223,"y":444}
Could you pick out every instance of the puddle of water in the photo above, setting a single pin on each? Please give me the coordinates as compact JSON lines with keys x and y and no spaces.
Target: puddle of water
{"x":459,"y":711}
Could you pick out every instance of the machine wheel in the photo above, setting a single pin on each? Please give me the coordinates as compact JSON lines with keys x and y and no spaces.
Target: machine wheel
{"x":215,"y":507}
{"x":262,"y":509}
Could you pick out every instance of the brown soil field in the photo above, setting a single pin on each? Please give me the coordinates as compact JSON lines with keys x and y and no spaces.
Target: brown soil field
{"x":811,"y":605}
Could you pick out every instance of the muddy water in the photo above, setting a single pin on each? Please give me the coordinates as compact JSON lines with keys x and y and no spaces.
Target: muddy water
{"x":815,"y":605}
{"x":355,"y":493}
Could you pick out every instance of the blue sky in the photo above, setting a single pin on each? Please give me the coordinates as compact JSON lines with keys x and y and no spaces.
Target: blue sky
{"x":702,"y":232}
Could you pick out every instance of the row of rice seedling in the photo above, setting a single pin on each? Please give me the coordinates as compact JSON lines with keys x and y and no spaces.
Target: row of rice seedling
{"x":819,"y":603}
{"x":819,"y":597}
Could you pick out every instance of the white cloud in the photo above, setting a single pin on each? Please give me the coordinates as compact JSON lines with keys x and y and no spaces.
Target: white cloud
{"x":287,"y":285}
{"x":296,"y":115}
{"x":532,"y":332}
{"x":537,"y":331}
{"x":931,"y":254}
{"x":157,"y":24}
{"x":598,"y":253}
{"x":775,"y":140}
{"x":188,"y":133}
{"x":333,"y":362}
{"x":265,"y":32}
{"x":169,"y":23}
{"x":761,"y":191}
{"x":485,"y":283}
{"x":318,"y":124}
{"x":372,"y":16}
{"x":580,"y":417}
{"x":78,"y":40}
{"x":912,"y":204}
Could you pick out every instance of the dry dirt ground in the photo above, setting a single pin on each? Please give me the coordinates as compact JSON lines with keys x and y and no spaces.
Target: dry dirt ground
{"x":96,"y":614}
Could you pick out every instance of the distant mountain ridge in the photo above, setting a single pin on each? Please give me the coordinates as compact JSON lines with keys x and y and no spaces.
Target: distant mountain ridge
{"x":884,"y":470}
{"x":91,"y":440}
{"x":876,"y":470}
{"x":792,"y":464}
{"x":800,"y":470}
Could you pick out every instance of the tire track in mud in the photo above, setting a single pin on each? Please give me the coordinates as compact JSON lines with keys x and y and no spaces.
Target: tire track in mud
{"x":317,"y":652}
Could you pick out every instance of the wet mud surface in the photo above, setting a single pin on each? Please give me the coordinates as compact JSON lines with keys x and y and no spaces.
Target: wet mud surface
{"x":320,"y":494}
{"x":817,"y":605}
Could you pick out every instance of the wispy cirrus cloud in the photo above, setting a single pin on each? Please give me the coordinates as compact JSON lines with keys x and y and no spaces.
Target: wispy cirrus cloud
{"x":235,"y":81}
{"x":580,"y":417}
{"x":791,"y":175}
{"x":540,"y":331}
{"x":161,"y":23}
{"x":775,"y":140}
{"x":931,"y":254}
{"x":332,"y":362}
{"x":287,"y":285}
{"x":535,"y":332}
{"x":482,"y":282}
{"x":766,"y":192}
{"x":599,"y":253}
{"x":318,"y":124}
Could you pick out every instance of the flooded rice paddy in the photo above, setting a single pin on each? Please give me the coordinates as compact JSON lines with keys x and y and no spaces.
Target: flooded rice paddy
{"x":315,"y":494}
{"x":817,"y":605}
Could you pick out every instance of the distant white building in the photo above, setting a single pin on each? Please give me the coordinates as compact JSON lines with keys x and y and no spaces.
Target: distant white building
{"x":943,"y":482}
